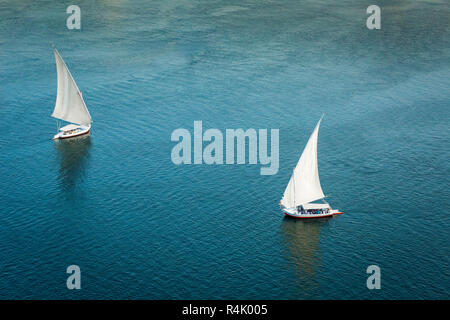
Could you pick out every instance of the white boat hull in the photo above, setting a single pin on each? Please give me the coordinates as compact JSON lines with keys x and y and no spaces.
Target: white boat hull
{"x":293,"y":213}
{"x":78,"y":131}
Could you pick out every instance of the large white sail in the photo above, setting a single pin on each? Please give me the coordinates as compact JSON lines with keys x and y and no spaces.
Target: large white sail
{"x":69,"y":105}
{"x":304,"y":185}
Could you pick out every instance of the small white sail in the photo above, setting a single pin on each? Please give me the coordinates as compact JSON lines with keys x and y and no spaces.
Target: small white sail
{"x":304,"y":185}
{"x":69,"y":105}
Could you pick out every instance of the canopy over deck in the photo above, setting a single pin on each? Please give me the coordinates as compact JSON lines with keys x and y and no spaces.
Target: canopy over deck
{"x":69,"y":127}
{"x":312,"y":206}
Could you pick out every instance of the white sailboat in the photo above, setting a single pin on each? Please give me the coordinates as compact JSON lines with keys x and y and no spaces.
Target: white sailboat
{"x":304,"y":186}
{"x":69,"y":104}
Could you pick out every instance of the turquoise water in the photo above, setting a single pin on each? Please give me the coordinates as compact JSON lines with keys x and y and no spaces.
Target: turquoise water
{"x":141,"y":227}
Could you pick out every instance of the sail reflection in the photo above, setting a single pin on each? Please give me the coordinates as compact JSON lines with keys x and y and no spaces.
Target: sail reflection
{"x":302,"y":238}
{"x":73,"y":155}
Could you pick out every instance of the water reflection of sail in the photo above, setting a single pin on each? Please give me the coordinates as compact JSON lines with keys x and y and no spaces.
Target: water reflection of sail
{"x":302,"y":237}
{"x":73,"y":154}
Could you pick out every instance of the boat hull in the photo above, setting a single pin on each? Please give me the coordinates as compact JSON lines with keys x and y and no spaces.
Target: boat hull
{"x":62,"y":135}
{"x":292,"y":214}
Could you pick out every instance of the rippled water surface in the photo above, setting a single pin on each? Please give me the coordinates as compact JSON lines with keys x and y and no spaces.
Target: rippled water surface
{"x":141,"y":227}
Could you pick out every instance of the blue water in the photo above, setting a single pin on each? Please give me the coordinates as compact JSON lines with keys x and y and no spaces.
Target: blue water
{"x":141,"y":227}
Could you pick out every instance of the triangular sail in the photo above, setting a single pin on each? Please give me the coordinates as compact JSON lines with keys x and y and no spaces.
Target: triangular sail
{"x":69,"y":104}
{"x":304,"y":185}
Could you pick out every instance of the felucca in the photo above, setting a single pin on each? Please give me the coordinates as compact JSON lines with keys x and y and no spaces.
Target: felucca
{"x":304,"y":186}
{"x":69,"y":105}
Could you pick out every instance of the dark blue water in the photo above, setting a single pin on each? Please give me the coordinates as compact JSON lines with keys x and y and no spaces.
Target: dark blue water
{"x":141,"y":227}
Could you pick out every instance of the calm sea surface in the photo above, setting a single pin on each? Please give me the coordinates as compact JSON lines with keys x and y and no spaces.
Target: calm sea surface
{"x":141,"y":227}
